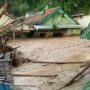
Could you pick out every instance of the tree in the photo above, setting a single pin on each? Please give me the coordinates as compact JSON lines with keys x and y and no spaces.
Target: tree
{"x":20,"y":7}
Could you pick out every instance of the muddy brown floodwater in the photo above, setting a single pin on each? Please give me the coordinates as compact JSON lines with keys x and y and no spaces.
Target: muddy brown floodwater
{"x":52,"y":50}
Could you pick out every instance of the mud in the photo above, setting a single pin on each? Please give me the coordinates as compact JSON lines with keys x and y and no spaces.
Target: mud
{"x":51,"y":49}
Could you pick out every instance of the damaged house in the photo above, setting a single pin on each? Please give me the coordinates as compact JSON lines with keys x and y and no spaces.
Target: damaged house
{"x":53,"y":21}
{"x":13,"y":25}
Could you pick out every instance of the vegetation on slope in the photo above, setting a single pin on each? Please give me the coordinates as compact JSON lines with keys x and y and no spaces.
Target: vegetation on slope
{"x":20,"y":7}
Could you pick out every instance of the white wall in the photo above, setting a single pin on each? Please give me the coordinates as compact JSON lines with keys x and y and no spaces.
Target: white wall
{"x":84,"y":20}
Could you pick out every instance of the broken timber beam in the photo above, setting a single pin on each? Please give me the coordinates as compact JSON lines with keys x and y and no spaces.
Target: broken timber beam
{"x":57,"y":62}
{"x":29,"y":75}
{"x":4,"y":8}
{"x":8,"y":27}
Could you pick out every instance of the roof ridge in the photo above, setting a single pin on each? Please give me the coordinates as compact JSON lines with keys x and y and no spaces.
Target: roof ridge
{"x":49,"y":15}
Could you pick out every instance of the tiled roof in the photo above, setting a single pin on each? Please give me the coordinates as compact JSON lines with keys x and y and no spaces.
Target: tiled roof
{"x":33,"y":19}
{"x":37,"y":18}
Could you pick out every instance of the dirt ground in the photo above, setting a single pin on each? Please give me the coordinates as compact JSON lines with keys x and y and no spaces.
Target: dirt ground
{"x":51,"y":49}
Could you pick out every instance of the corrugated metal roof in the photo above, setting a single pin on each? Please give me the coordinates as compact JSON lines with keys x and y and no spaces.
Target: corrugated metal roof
{"x":38,"y":27}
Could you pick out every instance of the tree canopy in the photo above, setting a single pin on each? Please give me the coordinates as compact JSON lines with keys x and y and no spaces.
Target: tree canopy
{"x":20,"y":7}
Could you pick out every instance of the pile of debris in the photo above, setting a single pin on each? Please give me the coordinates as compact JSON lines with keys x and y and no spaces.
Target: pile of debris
{"x":5,"y":52}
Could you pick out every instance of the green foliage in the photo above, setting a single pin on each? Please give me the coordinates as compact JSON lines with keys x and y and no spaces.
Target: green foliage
{"x":23,"y":8}
{"x":87,"y":86}
{"x":20,"y":7}
{"x":69,"y":6}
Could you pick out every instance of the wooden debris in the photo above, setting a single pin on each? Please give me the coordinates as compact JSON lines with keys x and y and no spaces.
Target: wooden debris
{"x":76,"y":76}
{"x":4,"y":8}
{"x":16,"y":59}
{"x":16,"y":47}
{"x":56,"y":62}
{"x":26,"y":85}
{"x":30,"y":75}
{"x":8,"y":27}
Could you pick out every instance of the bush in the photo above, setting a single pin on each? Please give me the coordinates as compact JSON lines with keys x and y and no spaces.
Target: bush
{"x":87,"y":86}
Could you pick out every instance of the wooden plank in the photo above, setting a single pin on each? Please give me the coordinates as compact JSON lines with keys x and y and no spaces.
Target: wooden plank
{"x":4,"y":8}
{"x":57,"y":62}
{"x":29,"y":75}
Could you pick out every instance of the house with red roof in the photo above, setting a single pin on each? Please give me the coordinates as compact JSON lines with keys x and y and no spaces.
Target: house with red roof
{"x":37,"y":18}
{"x":54,"y":20}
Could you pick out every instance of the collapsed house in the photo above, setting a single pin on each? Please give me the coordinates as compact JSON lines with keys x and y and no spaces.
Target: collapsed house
{"x":12,"y":25}
{"x":6,"y":19}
